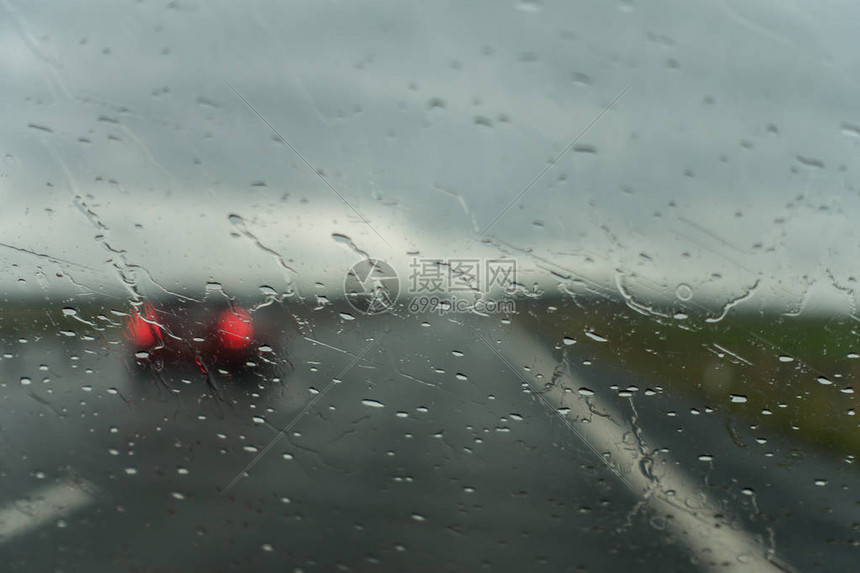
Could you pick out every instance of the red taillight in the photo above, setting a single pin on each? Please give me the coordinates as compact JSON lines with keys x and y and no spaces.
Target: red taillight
{"x":235,"y":328}
{"x":140,"y":329}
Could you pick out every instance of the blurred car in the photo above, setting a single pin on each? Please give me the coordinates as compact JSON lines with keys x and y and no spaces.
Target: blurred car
{"x":224,"y":334}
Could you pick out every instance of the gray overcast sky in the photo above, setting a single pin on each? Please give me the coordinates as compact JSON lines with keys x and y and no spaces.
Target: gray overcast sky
{"x":731,"y":161}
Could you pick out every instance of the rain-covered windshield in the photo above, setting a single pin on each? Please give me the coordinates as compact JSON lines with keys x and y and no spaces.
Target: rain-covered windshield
{"x":454,"y":286}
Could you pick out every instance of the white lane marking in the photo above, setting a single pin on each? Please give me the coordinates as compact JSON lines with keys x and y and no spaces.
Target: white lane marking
{"x":40,"y":507}
{"x":714,"y":543}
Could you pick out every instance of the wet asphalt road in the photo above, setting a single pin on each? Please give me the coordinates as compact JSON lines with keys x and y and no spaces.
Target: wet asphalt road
{"x":419,"y":459}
